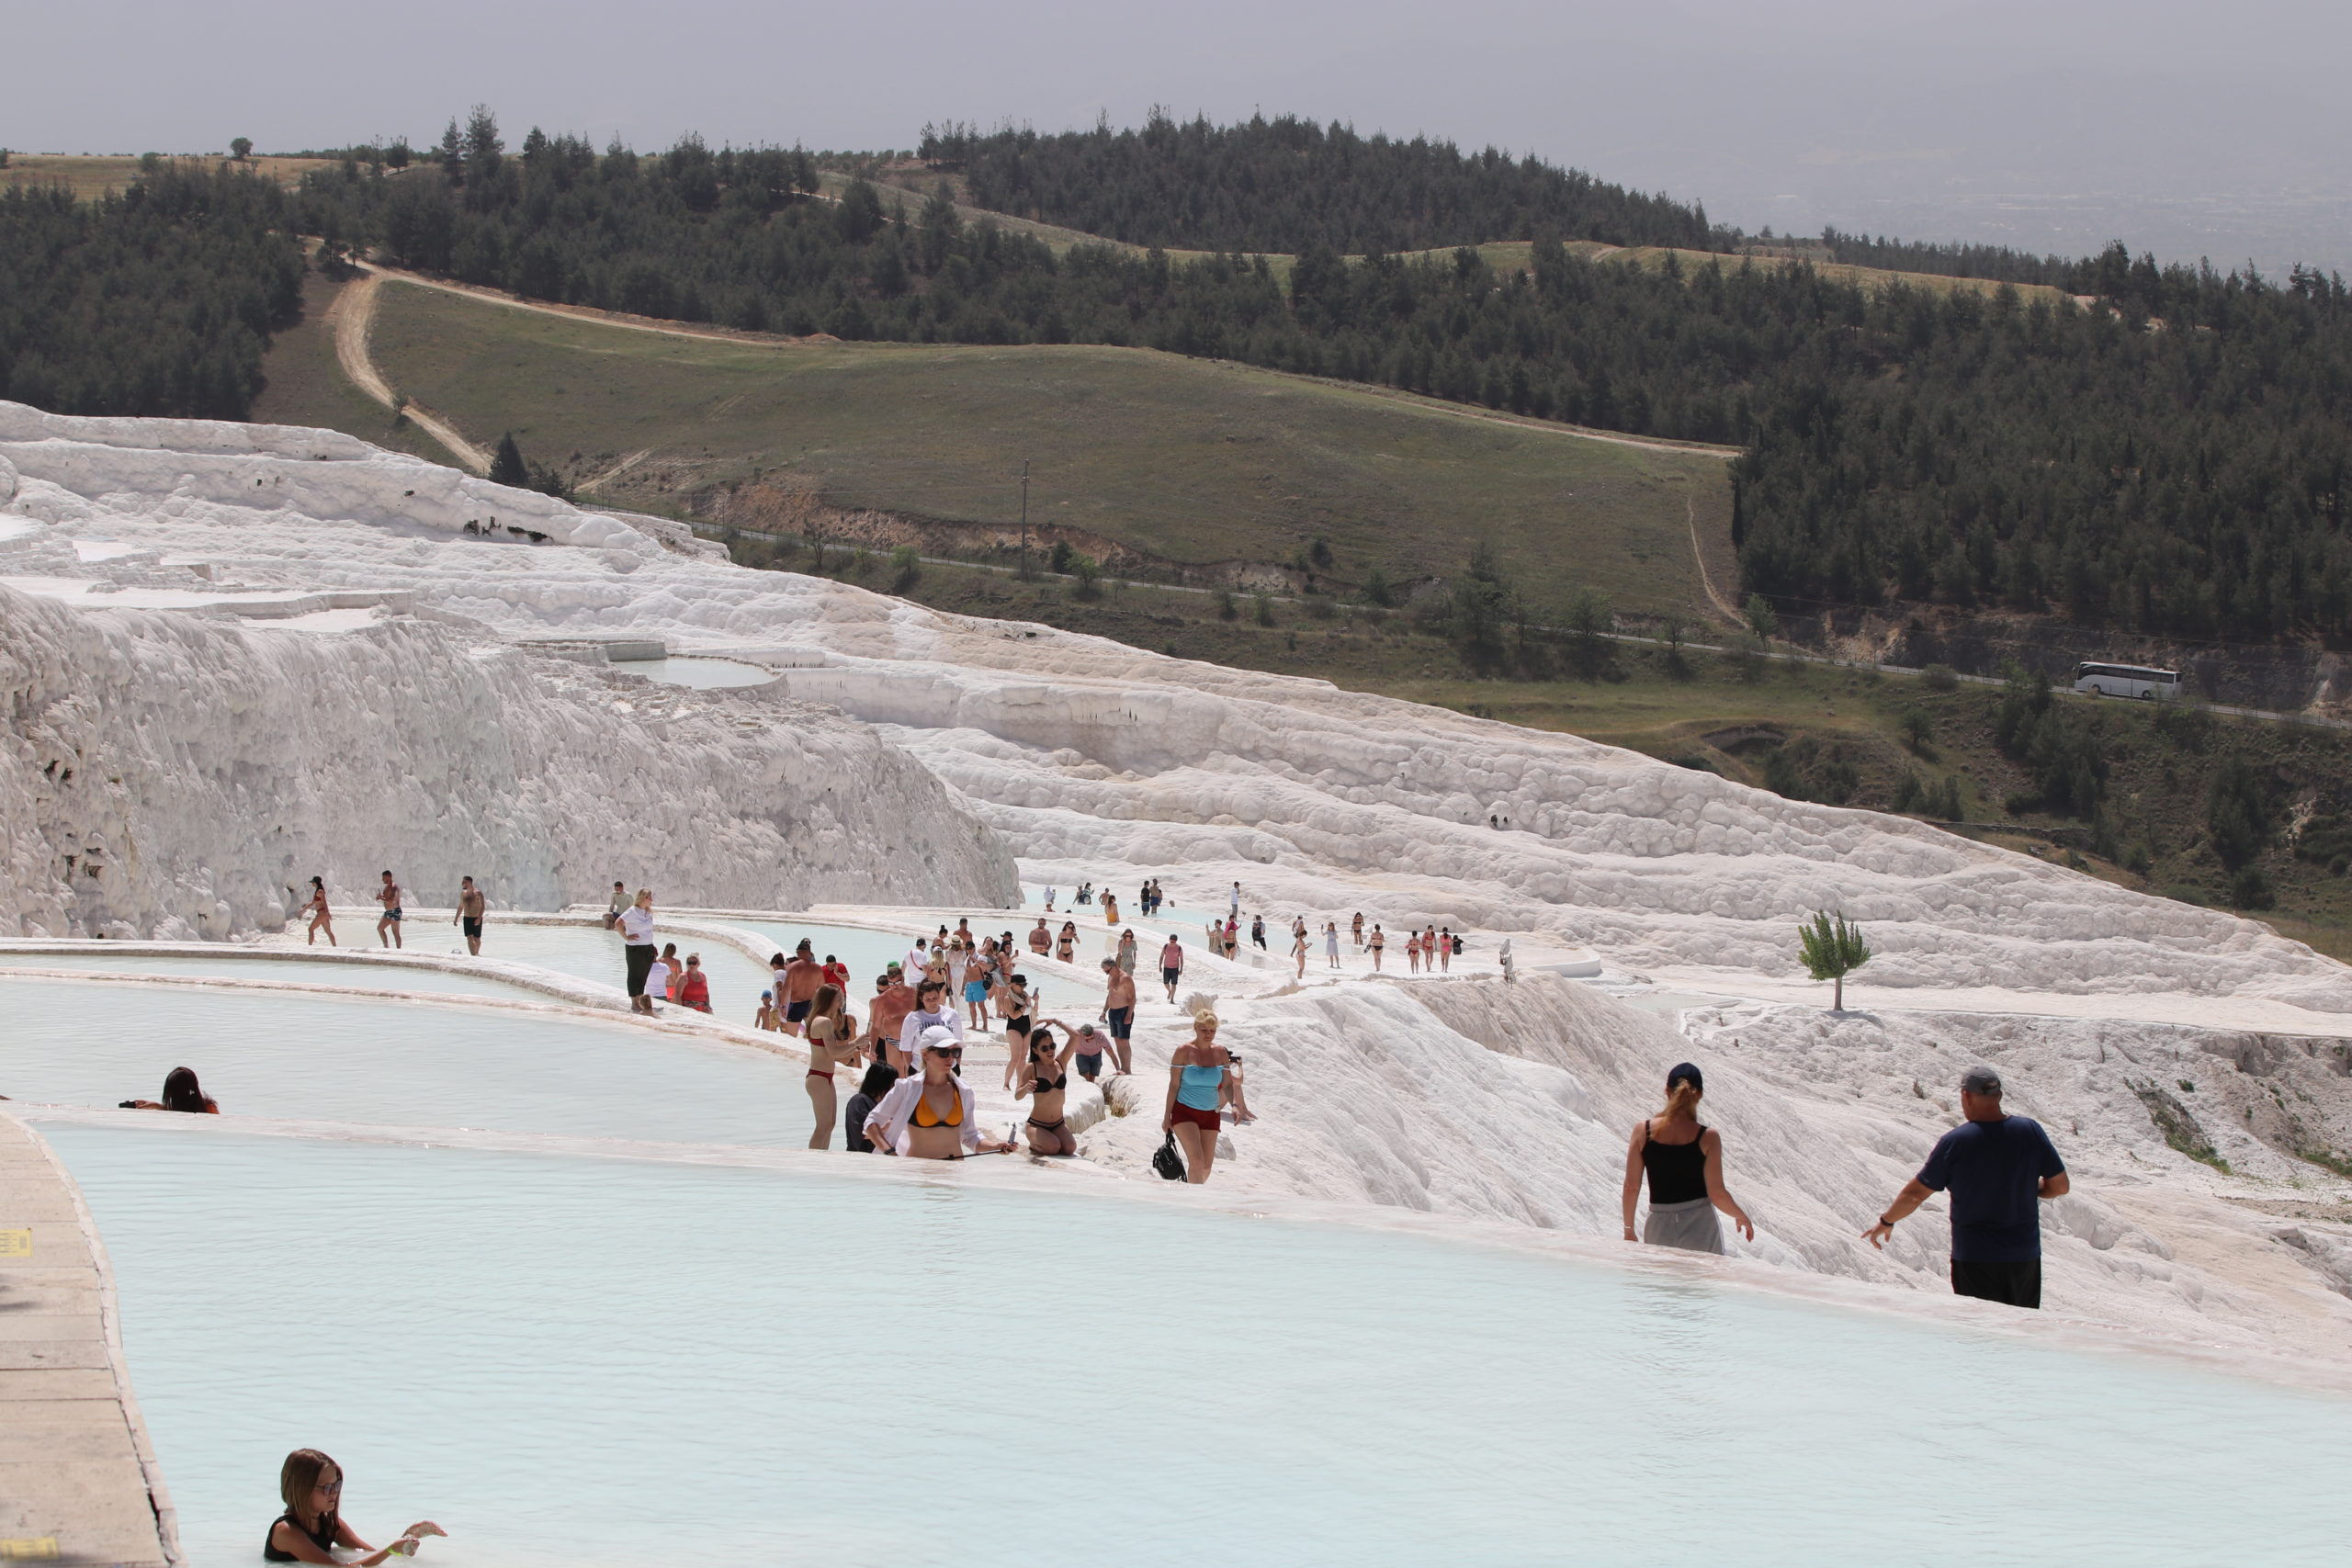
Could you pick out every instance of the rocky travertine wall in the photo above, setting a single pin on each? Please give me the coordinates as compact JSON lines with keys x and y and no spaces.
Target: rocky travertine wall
{"x":171,"y":775}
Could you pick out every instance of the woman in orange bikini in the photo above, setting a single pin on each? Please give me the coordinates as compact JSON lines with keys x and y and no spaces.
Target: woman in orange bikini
{"x":934,"y":1114}
{"x":831,"y":1034}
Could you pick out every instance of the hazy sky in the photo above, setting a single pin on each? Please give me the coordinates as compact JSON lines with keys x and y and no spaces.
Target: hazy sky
{"x":2190,"y":129}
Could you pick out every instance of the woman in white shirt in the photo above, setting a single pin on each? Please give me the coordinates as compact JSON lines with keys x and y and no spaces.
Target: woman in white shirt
{"x":934,"y":1114}
{"x":636,"y":926}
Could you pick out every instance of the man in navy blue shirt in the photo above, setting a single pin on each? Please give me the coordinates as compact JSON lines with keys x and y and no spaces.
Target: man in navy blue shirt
{"x":1997,"y":1167}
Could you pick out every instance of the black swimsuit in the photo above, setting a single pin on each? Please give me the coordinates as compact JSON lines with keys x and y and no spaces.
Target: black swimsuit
{"x":322,"y":1537}
{"x":1046,"y":1086}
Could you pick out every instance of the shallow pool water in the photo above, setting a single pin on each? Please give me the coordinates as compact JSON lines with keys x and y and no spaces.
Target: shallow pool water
{"x":403,"y":1064}
{"x":293,"y":971}
{"x":703,"y":674}
{"x":592,"y":952}
{"x":591,"y":1362}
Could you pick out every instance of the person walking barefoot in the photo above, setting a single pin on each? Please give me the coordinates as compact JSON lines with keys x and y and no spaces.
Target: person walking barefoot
{"x":1298,"y":949}
{"x":1332,"y":944}
{"x":471,"y":906}
{"x":1118,"y":1011}
{"x":1684,"y":1162}
{"x":389,"y":896}
{"x":1378,"y":941}
{"x":1171,"y":967}
{"x":321,"y":917}
{"x":832,"y":1045}
{"x":636,"y":939}
{"x":1196,"y":1086}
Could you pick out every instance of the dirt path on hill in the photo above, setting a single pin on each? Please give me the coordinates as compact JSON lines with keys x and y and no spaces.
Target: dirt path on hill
{"x":352,"y":312}
{"x":1698,"y":553}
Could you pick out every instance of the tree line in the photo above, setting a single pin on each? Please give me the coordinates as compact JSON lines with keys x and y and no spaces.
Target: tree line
{"x":1281,"y":185}
{"x":2172,"y":459}
{"x":159,"y":301}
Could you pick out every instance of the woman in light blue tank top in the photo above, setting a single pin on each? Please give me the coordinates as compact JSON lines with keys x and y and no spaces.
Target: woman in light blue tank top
{"x":1196,"y":1074}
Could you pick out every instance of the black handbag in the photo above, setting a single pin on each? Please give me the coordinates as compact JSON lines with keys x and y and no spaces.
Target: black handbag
{"x":1167,"y":1161}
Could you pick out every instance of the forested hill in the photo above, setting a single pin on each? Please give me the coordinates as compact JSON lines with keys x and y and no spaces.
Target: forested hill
{"x":2174,"y":456}
{"x":1285,"y":185}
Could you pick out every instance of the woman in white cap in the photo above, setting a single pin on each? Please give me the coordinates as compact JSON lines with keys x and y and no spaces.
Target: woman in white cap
{"x":1684,"y":1161}
{"x":934,"y":1114}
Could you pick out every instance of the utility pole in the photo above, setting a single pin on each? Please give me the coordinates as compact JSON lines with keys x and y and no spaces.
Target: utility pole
{"x":1025,"y":519}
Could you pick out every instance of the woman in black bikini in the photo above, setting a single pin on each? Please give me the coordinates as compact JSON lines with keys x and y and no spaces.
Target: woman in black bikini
{"x":1012,"y":1005}
{"x":1045,"y":1083}
{"x":311,"y":1527}
{"x":1684,"y":1161}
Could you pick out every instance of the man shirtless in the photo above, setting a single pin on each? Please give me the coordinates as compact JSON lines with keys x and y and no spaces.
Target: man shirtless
{"x":889,"y":1010}
{"x":801,"y":979}
{"x":1041,"y":939}
{"x":1118,"y":1010}
{"x":389,"y":896}
{"x":471,"y":905}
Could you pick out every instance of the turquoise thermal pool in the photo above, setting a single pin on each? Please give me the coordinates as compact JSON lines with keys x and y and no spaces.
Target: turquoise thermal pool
{"x":394,"y":1062}
{"x":233,"y":965}
{"x":703,"y":674}
{"x":589,"y":1362}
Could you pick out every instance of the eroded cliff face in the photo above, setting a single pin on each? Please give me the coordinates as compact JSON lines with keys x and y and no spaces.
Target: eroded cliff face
{"x":167,"y":774}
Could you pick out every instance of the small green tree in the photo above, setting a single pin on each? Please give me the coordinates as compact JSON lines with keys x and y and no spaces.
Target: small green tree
{"x":1265,"y":608}
{"x":1832,"y":949}
{"x":1087,"y":574}
{"x":1375,"y":587}
{"x":1917,"y":728}
{"x":1761,"y":618}
{"x":906,"y":568}
{"x":507,"y":467}
{"x":241,"y":148}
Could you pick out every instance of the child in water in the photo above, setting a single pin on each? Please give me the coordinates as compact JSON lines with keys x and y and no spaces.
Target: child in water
{"x":311,"y":1527}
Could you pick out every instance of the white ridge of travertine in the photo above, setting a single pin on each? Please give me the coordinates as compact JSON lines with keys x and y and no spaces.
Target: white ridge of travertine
{"x":175,"y":776}
{"x":1092,"y":761}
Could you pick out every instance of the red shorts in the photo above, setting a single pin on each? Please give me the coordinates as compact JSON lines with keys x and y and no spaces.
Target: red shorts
{"x":1198,"y":1118}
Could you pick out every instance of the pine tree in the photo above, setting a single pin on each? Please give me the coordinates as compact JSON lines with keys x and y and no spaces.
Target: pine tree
{"x":508,"y":468}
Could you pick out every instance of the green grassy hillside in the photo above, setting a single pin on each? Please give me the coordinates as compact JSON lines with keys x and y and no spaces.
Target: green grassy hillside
{"x":1190,"y":461}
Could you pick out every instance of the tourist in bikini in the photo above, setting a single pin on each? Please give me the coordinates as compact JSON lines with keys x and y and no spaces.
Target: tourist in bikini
{"x":1118,"y":1010}
{"x":1684,"y":1162}
{"x":1428,"y":949}
{"x":801,"y":979}
{"x":930,"y":1012}
{"x":1045,"y":1083}
{"x":388,"y":927}
{"x":321,"y":917}
{"x":312,"y":1527}
{"x":181,"y":1092}
{"x":831,"y":1034}
{"x":694,"y":985}
{"x":1298,"y":949}
{"x":1171,"y":967}
{"x":471,"y":906}
{"x":1446,"y":943}
{"x":1013,"y":1007}
{"x":1196,"y":1087}
{"x":1376,"y":941}
{"x":879,"y":1078}
{"x":1357,"y":928}
{"x":1412,"y":952}
{"x":1110,"y":908}
{"x":1066,"y":944}
{"x":934,"y":1115}
{"x":636,"y":938}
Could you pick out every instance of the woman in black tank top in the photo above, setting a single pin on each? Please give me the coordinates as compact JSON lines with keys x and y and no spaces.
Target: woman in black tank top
{"x":311,"y":1527}
{"x":1683,"y":1160}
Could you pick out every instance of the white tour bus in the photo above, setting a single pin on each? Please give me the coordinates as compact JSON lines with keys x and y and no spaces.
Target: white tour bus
{"x":2127,"y":681}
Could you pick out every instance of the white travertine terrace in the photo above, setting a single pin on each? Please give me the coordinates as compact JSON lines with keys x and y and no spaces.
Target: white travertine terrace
{"x":904,"y":756}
